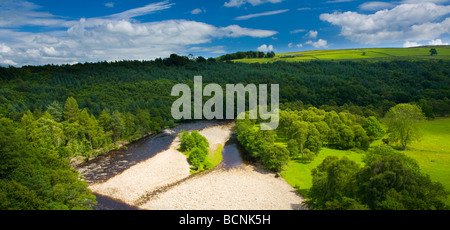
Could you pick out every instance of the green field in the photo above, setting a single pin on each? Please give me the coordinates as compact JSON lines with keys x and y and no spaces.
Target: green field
{"x":298,"y":173}
{"x":433,"y":151}
{"x":432,"y":154}
{"x":354,"y":54}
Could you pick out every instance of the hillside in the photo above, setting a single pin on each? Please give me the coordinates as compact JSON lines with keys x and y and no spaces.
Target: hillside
{"x":422,"y":52}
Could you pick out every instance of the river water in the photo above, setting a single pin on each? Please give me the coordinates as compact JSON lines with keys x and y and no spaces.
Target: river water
{"x":108,"y":165}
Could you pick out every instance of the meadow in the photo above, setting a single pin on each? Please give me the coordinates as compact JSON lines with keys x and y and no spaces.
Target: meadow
{"x":432,"y":154}
{"x":355,"y":54}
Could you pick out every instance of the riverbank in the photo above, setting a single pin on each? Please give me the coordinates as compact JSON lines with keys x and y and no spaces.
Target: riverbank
{"x":165,"y":168}
{"x":164,"y":182}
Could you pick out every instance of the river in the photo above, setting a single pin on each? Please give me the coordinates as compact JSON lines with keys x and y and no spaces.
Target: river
{"x":115,"y":162}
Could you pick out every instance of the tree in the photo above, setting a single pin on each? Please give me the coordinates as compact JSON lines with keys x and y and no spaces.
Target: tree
{"x":276,"y":158}
{"x":116,"y":125}
{"x":197,"y":157}
{"x":313,"y":142}
{"x":104,"y":120}
{"x":335,"y":185}
{"x":401,"y":122}
{"x":373,"y":128}
{"x":55,"y":109}
{"x":71,"y":110}
{"x":433,"y":51}
{"x":143,"y":121}
{"x":300,"y":133}
{"x":292,"y":147}
{"x":392,"y":180}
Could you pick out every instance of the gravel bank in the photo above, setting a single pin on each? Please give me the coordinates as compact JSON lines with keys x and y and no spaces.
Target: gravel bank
{"x":163,"y":169}
{"x":243,"y":188}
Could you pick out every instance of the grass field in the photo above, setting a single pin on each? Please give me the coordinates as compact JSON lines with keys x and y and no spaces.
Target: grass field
{"x":354,"y":54}
{"x":432,"y":154}
{"x":433,"y":151}
{"x":298,"y":173}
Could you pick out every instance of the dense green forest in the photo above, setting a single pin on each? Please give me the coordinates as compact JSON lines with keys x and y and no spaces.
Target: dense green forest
{"x":50,"y":114}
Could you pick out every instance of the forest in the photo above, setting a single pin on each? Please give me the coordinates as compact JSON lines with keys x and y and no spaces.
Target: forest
{"x":51,"y":114}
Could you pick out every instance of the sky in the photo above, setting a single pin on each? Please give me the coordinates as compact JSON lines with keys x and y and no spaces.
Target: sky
{"x":39,"y":32}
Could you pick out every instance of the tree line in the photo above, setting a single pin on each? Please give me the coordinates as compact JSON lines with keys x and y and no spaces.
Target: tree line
{"x":244,"y":55}
{"x":304,"y":133}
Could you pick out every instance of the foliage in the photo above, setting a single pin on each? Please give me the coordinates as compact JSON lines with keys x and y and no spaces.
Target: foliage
{"x":305,"y":133}
{"x":245,"y":55}
{"x":373,"y":128}
{"x":389,"y":180}
{"x":401,"y":122}
{"x":32,"y":174}
{"x":196,"y":147}
{"x":433,"y":51}
{"x":334,"y":185}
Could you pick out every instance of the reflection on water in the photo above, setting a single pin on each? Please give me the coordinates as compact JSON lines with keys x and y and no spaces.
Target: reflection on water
{"x":232,"y":155}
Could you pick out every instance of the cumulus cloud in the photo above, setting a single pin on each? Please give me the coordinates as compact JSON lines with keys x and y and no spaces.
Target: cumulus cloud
{"x":321,"y":43}
{"x":114,"y":37}
{"x":434,"y":42}
{"x":239,"y":3}
{"x":245,"y":17}
{"x":312,"y":34}
{"x":265,"y":48}
{"x":437,"y":42}
{"x":408,"y":44}
{"x":405,"y":22}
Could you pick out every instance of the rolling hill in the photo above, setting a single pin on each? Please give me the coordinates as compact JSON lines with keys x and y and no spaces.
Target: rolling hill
{"x":373,"y":54}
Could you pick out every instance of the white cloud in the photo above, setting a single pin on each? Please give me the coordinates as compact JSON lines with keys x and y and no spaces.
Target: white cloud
{"x":408,"y":44}
{"x":312,"y":34}
{"x":297,"y":31}
{"x":4,"y":48}
{"x":318,"y":44}
{"x":265,"y":48}
{"x":109,"y":4}
{"x":197,"y":11}
{"x":239,"y":3}
{"x":405,"y":22}
{"x":148,"y":9}
{"x":371,"y":6}
{"x":111,"y":39}
{"x":235,"y":31}
{"x":437,"y":42}
{"x":434,"y":42}
{"x":245,"y":17}
{"x":299,"y":45}
{"x":213,"y":49}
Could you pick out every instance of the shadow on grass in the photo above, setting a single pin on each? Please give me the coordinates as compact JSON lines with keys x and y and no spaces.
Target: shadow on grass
{"x":303,"y":192}
{"x":302,"y":160}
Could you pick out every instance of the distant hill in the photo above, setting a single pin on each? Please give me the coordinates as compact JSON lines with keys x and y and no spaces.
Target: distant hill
{"x":422,"y":52}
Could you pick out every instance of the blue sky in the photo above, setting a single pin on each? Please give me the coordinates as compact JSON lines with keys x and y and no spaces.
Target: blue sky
{"x":37,"y":32}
